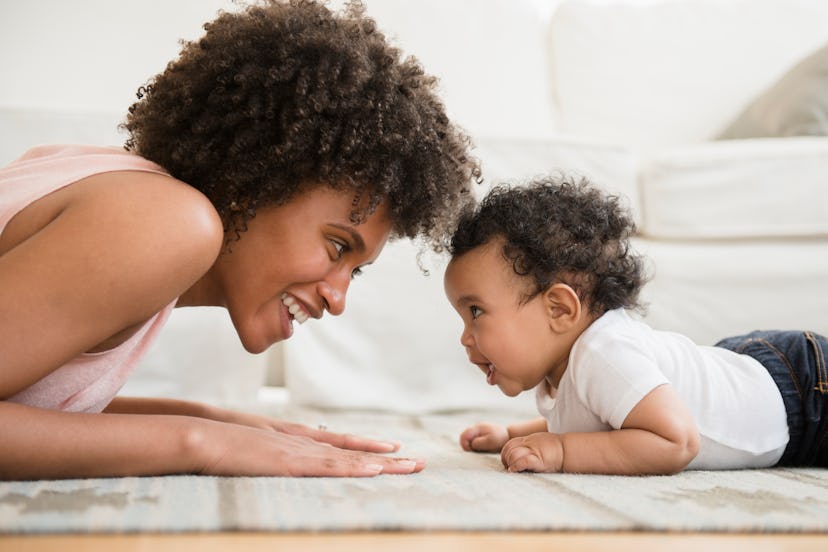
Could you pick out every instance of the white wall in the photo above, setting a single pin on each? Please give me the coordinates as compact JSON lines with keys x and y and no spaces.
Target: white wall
{"x":92,"y":55}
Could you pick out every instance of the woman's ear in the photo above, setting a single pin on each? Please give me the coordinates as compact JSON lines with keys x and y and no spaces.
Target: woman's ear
{"x":563,"y":307}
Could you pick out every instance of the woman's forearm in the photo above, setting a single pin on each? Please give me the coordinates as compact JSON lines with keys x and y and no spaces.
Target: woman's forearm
{"x":142,"y":405}
{"x":47,"y":444}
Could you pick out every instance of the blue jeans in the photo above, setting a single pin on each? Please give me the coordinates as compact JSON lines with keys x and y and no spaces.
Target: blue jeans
{"x":796,"y":361}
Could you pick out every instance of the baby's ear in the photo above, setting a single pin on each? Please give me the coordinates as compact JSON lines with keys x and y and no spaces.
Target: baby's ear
{"x":563,"y":307}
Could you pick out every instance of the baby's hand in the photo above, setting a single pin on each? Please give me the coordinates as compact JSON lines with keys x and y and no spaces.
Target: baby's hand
{"x":538,"y":452}
{"x":484,"y":438}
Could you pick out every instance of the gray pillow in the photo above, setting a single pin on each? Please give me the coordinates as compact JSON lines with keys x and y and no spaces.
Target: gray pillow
{"x":797,"y":105}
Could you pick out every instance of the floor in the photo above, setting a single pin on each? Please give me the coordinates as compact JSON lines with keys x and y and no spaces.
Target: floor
{"x":433,"y":542}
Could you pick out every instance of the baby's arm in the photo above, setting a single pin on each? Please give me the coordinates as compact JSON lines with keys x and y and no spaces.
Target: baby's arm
{"x":484,"y":437}
{"x":659,"y":436}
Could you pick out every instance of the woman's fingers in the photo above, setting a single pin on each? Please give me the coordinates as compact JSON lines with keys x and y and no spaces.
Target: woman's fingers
{"x":355,"y":442}
{"x":340,"y":440}
{"x":327,"y":461}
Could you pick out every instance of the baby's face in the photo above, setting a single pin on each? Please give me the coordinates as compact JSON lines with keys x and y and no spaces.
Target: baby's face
{"x":511,"y":342}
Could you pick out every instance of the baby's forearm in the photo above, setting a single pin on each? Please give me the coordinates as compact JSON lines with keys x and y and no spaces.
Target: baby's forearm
{"x":523,"y":429}
{"x":625,"y":452}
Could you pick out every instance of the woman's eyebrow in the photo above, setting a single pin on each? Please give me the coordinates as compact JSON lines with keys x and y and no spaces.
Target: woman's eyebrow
{"x":359,"y":243}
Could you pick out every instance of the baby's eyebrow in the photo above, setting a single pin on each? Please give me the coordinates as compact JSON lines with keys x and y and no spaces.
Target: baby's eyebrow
{"x":359,"y":243}
{"x":464,"y":299}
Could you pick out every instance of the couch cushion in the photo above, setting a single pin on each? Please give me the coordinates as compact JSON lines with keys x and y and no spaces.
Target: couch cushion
{"x":796,"y":105}
{"x":709,"y":290}
{"x":657,"y":74}
{"x":773,"y":187}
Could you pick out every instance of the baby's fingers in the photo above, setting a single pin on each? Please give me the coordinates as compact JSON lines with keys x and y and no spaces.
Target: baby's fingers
{"x":528,"y":462}
{"x":486,"y":443}
{"x":469,"y":435}
{"x":516,"y":457}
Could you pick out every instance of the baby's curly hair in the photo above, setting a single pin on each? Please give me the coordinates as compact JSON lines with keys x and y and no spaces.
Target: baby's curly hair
{"x":285,"y":95}
{"x":559,"y":230}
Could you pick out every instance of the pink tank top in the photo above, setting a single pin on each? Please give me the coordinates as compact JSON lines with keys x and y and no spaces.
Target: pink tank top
{"x":89,"y":382}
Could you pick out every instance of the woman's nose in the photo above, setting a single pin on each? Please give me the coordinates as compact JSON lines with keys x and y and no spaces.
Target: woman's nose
{"x":333,"y":290}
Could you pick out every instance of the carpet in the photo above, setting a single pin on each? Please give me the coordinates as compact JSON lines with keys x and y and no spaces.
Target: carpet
{"x":457,"y":491}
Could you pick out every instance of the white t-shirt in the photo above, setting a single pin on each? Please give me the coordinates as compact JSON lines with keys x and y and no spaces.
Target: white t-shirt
{"x":736,"y":404}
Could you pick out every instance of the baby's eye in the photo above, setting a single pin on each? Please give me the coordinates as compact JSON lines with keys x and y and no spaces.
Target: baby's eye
{"x":475,"y":311}
{"x":356,"y":272}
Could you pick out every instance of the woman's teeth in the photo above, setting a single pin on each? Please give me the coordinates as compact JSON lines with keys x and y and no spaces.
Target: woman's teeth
{"x":294,"y":309}
{"x":490,"y":375}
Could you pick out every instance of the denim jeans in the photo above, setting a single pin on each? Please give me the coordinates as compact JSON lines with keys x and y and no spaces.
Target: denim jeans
{"x":796,"y":361}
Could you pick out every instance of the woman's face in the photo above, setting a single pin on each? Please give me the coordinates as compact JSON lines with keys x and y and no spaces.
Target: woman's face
{"x":294,"y":262}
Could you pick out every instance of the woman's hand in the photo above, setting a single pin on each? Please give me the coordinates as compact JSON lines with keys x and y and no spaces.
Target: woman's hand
{"x":140,"y":405}
{"x":233,"y":449}
{"x":484,"y":437}
{"x":339,"y":440}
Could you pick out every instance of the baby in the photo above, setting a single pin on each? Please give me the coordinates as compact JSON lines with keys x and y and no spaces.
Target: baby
{"x":543,"y":276}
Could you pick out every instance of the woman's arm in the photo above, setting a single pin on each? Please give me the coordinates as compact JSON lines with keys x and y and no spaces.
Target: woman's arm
{"x":136,"y":405}
{"x":46,"y":444}
{"x":659,"y":436}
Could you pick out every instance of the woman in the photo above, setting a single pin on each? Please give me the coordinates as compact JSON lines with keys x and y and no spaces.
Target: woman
{"x":265,"y":166}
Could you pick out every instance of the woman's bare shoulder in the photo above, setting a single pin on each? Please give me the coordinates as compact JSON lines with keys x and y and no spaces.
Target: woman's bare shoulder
{"x":158,"y":227}
{"x":93,"y":259}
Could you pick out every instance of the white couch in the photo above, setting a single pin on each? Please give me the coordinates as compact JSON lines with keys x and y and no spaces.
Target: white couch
{"x":629,"y":93}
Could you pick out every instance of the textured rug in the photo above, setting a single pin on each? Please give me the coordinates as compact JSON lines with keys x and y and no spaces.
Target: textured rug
{"x":457,"y":491}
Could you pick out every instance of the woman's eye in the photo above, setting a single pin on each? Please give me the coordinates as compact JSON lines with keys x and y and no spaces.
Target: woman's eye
{"x":356,"y":272}
{"x":475,"y":311}
{"x":340,"y":247}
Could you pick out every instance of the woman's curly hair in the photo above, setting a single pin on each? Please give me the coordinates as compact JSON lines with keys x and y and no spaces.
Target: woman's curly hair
{"x":559,"y":230}
{"x":285,"y":95}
